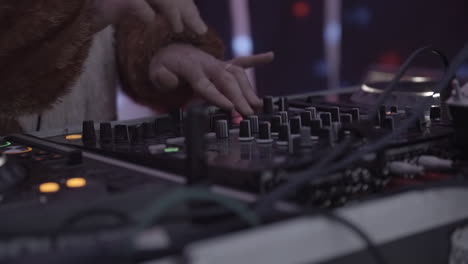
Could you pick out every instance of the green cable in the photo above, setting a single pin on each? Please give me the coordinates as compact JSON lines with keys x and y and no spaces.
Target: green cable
{"x":172,"y":199}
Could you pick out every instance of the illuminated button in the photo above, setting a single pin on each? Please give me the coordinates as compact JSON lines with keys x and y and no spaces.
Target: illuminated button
{"x":39,"y":158}
{"x":171,"y":150}
{"x":76,"y":183}
{"x":74,"y":137}
{"x":12,"y":150}
{"x":56,"y":156}
{"x":49,"y":187}
{"x":6,"y":144}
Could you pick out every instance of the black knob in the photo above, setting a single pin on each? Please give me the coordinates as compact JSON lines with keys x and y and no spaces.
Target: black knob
{"x":284,"y":133}
{"x":105,"y":133}
{"x":296,"y":125}
{"x":133,"y":134}
{"x":435,"y":112}
{"x":313,"y":112}
{"x":284,"y":117}
{"x":326,"y":119}
{"x":315,"y":126}
{"x":264,"y":131}
{"x":283,"y":104}
{"x":222,"y":131}
{"x":325,"y":136}
{"x":89,"y":134}
{"x":149,"y":130}
{"x":335,"y":114}
{"x":268,"y":106}
{"x":245,"y":130}
{"x":389,"y":123}
{"x":196,"y":125}
{"x":296,"y":145}
{"x":408,"y":111}
{"x":276,"y":122}
{"x":346,"y":118}
{"x":121,"y":134}
{"x":356,"y":113}
{"x":382,"y":114}
{"x":306,"y":117}
{"x":254,"y":123}
{"x":394,"y":109}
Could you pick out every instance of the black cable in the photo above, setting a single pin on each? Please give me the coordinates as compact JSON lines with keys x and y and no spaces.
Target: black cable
{"x":39,"y":123}
{"x":74,"y":219}
{"x":371,"y":247}
{"x":319,"y":170}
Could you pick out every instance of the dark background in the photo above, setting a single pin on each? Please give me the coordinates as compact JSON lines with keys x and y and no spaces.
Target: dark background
{"x":375,"y":34}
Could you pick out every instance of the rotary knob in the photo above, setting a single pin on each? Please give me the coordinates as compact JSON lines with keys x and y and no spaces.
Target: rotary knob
{"x":222,"y":131}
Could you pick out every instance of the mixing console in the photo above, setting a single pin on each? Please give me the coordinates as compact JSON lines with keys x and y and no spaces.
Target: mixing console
{"x":255,"y":153}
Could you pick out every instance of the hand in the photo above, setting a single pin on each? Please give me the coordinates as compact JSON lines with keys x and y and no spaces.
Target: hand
{"x":224,"y":84}
{"x":179,"y":13}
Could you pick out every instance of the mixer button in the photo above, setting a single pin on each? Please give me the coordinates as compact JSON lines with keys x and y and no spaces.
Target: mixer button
{"x":326,"y":119}
{"x":245,"y":133}
{"x":268,"y":105}
{"x":264,"y":133}
{"x":295,"y":125}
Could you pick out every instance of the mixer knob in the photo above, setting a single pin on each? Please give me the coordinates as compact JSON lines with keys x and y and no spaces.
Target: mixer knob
{"x":284,"y":117}
{"x":283,"y":104}
{"x":254,"y":123}
{"x":222,"y":130}
{"x":245,"y":133}
{"x":325,"y":136}
{"x":326,"y":119}
{"x":312,"y":111}
{"x":389,"y":123}
{"x":356,"y":114}
{"x":268,"y":106}
{"x":264,"y":133}
{"x":295,"y":146}
{"x":296,"y":125}
{"x":408,"y":111}
{"x":276,"y":122}
{"x":315,"y":126}
{"x":394,"y":109}
{"x":121,"y":134}
{"x":335,"y":114}
{"x":89,"y":134}
{"x":149,"y":130}
{"x":435,"y":113}
{"x":382,"y":114}
{"x":306,"y":117}
{"x":284,"y":133}
{"x":105,"y":132}
{"x":346,"y":118}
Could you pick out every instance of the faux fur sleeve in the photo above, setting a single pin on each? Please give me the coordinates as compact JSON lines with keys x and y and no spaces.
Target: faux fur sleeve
{"x":136,"y":46}
{"x":43,"y":45}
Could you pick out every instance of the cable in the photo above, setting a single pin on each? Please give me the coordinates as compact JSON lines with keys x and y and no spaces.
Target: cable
{"x":169,"y":201}
{"x":402,"y":71}
{"x":371,"y":247}
{"x":319,"y":171}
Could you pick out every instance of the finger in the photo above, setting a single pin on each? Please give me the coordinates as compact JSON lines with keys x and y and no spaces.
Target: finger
{"x":208,"y":91}
{"x":143,"y":11}
{"x":229,"y":86}
{"x":175,"y":19}
{"x":254,"y":60}
{"x":245,"y":86}
{"x":164,"y":79}
{"x":193,"y":20}
{"x":203,"y":86}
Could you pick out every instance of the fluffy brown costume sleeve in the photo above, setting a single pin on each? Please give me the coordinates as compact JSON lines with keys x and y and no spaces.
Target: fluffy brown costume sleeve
{"x":43,"y":44}
{"x":136,"y":46}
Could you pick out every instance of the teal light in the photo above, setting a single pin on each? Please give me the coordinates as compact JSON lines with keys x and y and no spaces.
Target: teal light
{"x":5,"y":145}
{"x":171,"y":150}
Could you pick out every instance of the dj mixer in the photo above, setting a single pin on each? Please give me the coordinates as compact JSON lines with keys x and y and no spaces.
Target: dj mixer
{"x":75,"y":183}
{"x":255,"y":153}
